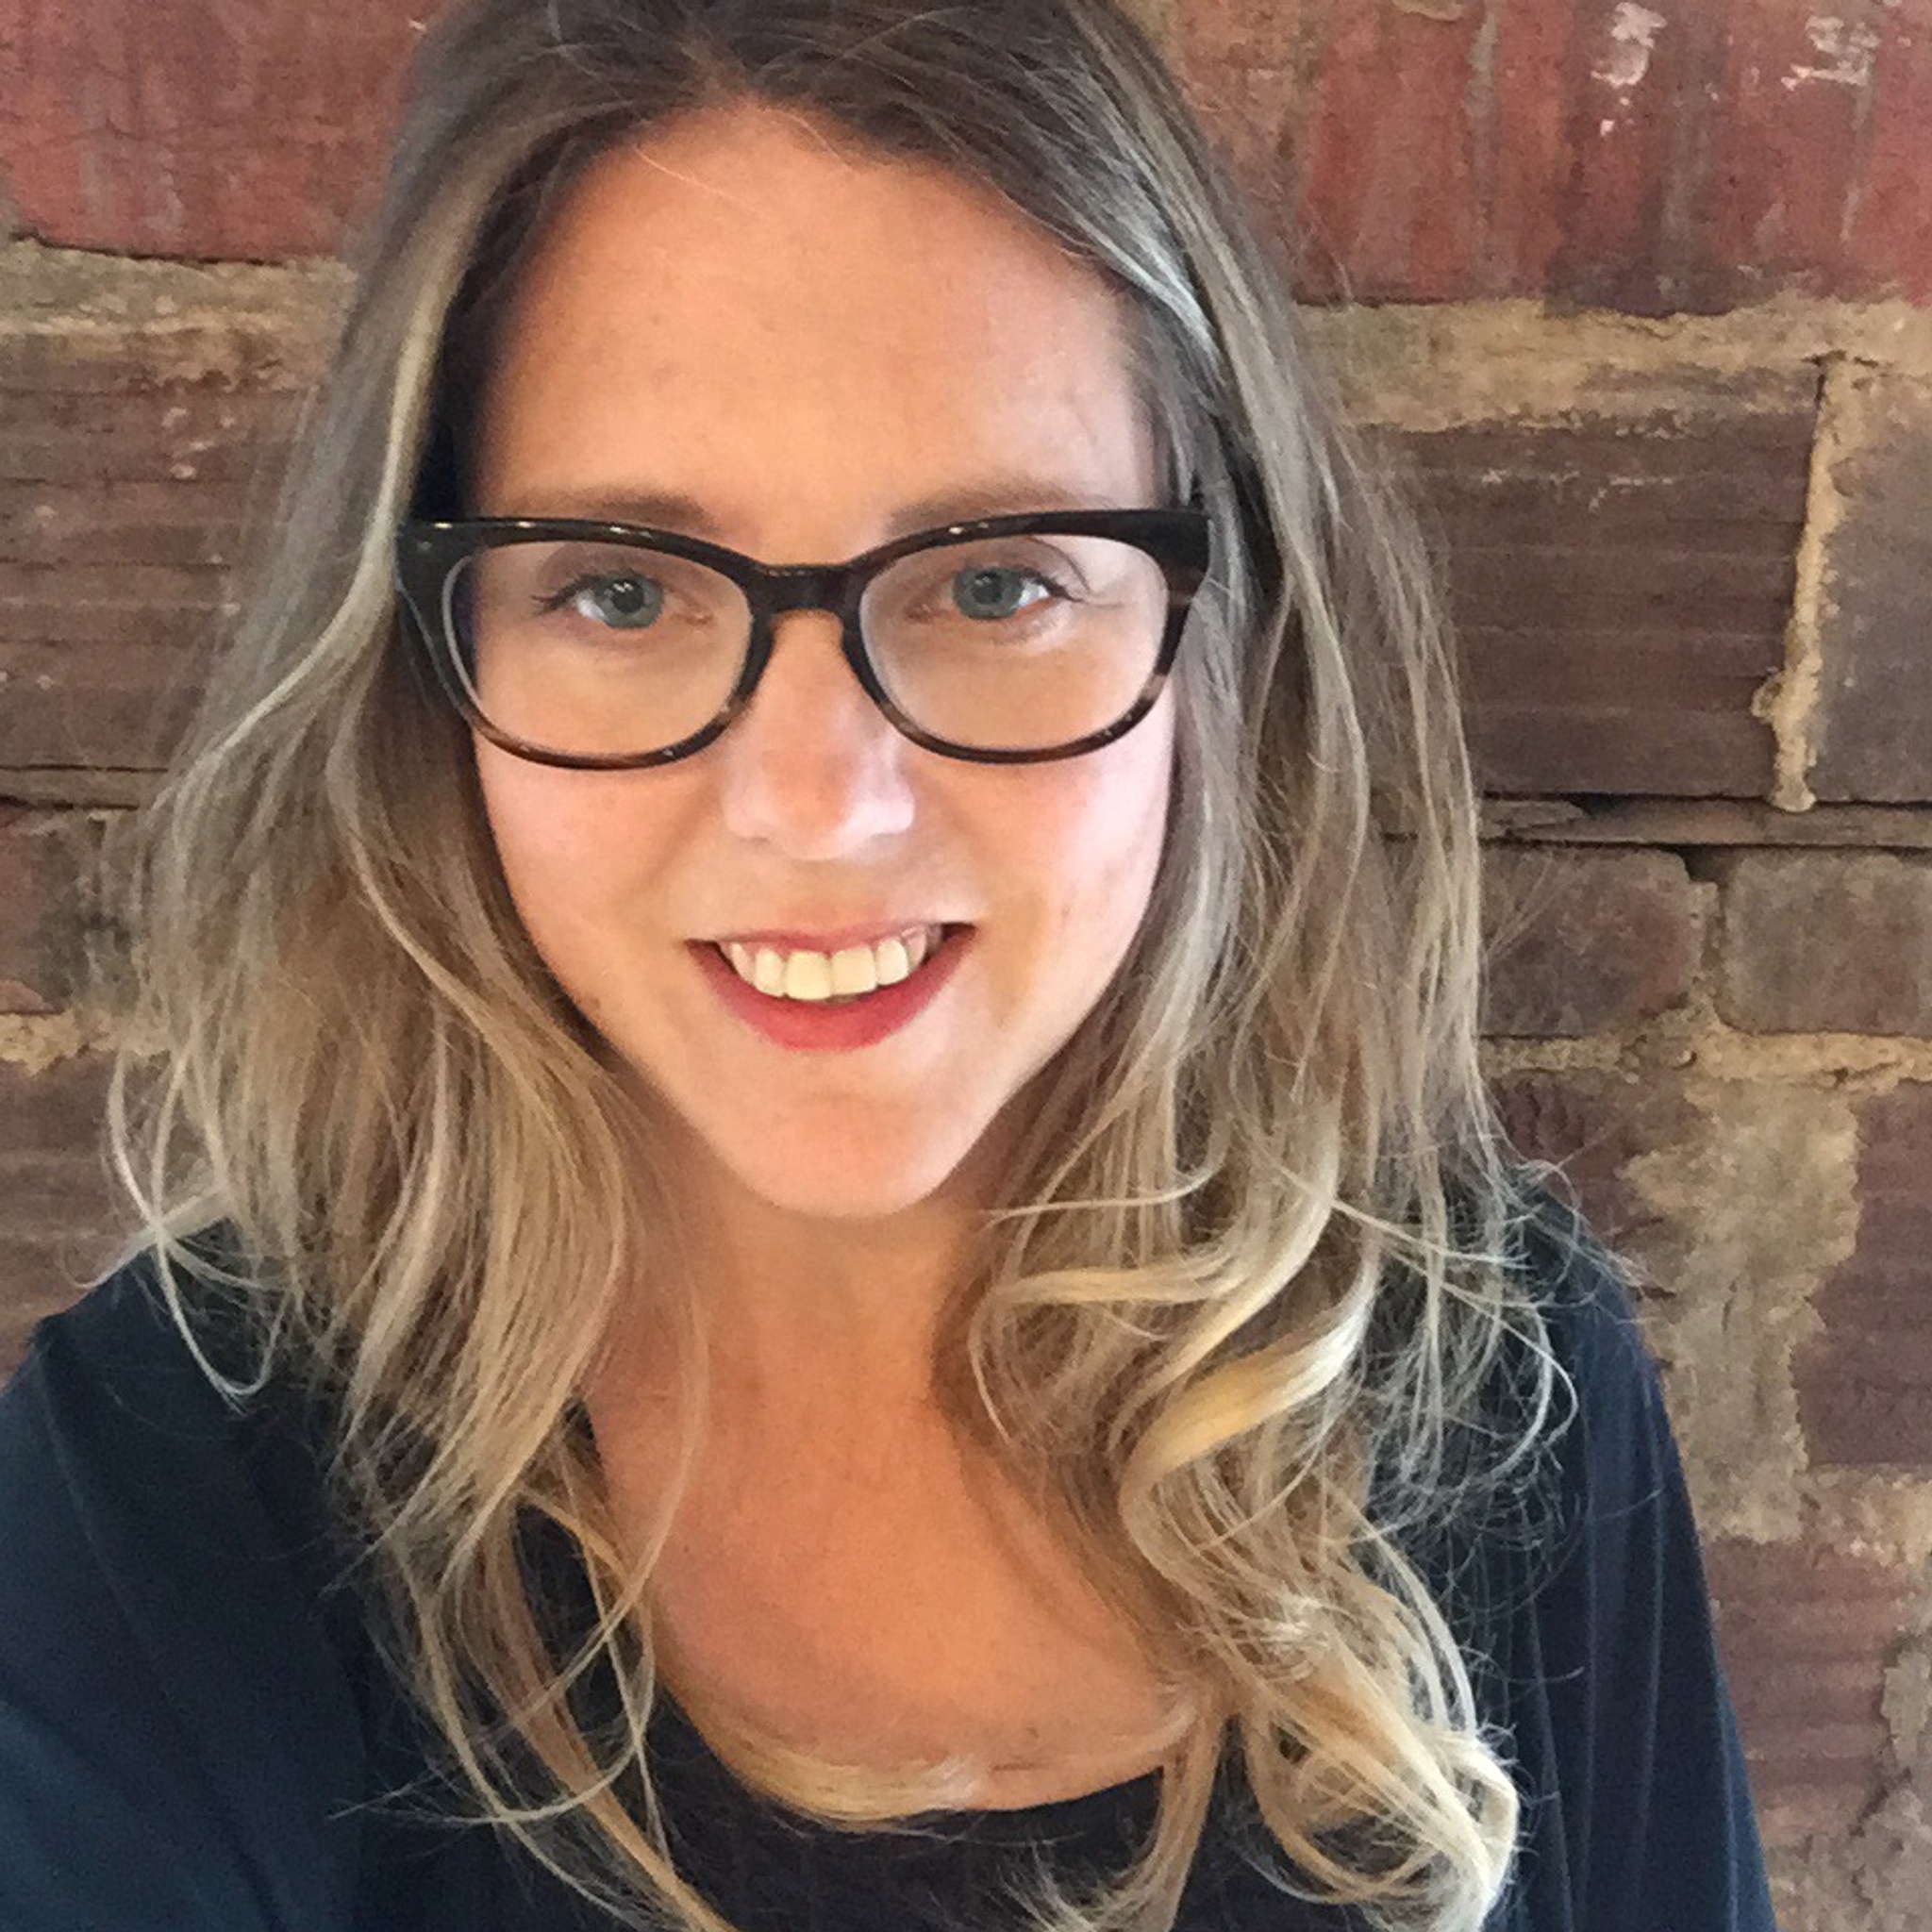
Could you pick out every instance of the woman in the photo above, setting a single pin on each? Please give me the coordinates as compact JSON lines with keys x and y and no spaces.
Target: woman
{"x":860,"y":1269}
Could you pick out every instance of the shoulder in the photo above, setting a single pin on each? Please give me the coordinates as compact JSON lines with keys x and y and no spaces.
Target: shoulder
{"x":114,"y":1366}
{"x":1583,"y":1287}
{"x":176,"y":1722}
{"x":119,"y":1418}
{"x":1572,"y":1417}
{"x":1626,"y":1747}
{"x":1565,"y":1371}
{"x":1617,"y":1439}
{"x":1594,"y":1327}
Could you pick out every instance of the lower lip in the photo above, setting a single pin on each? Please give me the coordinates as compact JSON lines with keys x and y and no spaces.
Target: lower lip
{"x":806,"y":1026}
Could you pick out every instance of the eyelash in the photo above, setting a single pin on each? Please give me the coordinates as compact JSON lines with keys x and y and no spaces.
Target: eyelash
{"x":555,"y":600}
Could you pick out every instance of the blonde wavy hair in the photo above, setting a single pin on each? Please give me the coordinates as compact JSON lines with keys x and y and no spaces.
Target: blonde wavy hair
{"x":1256,"y":1260}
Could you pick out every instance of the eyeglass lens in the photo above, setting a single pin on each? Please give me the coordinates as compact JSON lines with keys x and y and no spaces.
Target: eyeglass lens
{"x":597,"y":648}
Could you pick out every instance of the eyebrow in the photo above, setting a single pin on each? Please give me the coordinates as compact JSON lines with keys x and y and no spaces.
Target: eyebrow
{"x":997,"y":498}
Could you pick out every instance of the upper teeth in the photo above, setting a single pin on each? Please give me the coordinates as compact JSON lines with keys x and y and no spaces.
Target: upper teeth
{"x":806,"y":975}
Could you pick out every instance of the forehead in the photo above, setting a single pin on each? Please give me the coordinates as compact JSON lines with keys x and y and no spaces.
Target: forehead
{"x":746,"y":308}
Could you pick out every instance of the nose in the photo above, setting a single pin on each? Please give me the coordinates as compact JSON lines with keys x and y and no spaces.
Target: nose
{"x":813,"y":769}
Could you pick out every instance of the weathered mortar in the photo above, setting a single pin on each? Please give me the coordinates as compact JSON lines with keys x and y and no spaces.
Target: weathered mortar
{"x":1439,"y":366}
{"x":1756,"y":1206}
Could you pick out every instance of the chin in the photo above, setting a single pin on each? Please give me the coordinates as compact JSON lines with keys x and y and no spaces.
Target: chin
{"x":854,"y":1179}
{"x":847,"y":1196}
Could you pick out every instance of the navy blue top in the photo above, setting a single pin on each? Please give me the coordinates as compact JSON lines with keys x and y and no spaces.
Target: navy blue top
{"x":193,"y":1724}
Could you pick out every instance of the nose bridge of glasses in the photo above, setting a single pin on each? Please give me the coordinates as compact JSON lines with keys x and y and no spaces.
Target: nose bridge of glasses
{"x":815,"y":744}
{"x":833,"y":590}
{"x":782,"y":588}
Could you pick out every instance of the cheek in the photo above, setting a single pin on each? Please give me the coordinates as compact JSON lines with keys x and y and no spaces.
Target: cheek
{"x":529,"y":814}
{"x":532,"y":831}
{"x":1102,"y":838}
{"x":572,"y":845}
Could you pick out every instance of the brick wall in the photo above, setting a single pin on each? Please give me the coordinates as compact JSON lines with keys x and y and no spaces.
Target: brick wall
{"x":1637,"y":295}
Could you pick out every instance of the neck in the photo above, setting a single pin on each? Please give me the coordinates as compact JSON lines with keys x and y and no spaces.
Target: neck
{"x":788,"y":1302}
{"x":802,"y":1312}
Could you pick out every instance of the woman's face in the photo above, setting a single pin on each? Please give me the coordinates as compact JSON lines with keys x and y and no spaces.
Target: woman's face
{"x":752,"y":332}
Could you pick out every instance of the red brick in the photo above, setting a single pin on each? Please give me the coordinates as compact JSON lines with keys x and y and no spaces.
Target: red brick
{"x":1873,"y":728}
{"x":49,"y":927}
{"x":1784,"y":173}
{"x":62,"y":1223}
{"x":1388,"y":147}
{"x":1547,"y":150}
{"x":1423,"y":152}
{"x":205,"y":433}
{"x":123,"y":487}
{"x":1517,"y":105}
{"x":1621,"y":588}
{"x":118,"y":701}
{"x":85,"y":527}
{"x":58,"y":1110}
{"x":1386,"y":162}
{"x":1889,"y":227}
{"x":1806,"y":1633}
{"x":1865,"y":1380}
{"x":1827,"y":943}
{"x":1585,"y":942}
{"x":1639,"y":104}
{"x":198,"y":129}
{"x":1593,"y":1125}
{"x":1615,"y":746}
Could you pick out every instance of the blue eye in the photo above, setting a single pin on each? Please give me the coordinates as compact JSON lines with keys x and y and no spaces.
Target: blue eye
{"x":618,"y":603}
{"x":994,"y":590}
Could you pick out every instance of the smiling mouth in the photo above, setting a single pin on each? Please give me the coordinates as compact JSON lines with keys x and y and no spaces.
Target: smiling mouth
{"x":833,"y":979}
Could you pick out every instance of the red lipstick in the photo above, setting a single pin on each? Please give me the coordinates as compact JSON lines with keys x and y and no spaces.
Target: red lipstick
{"x":808,"y":1027}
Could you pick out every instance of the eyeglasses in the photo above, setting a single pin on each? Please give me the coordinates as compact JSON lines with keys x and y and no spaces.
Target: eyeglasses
{"x":1007,"y":640}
